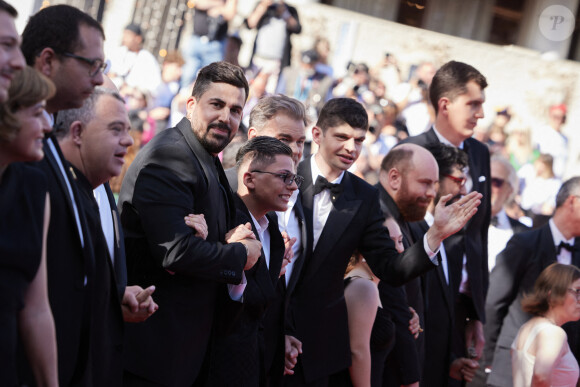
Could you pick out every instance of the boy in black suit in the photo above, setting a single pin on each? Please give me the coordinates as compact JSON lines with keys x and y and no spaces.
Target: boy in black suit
{"x":266,"y":181}
{"x":342,"y":213}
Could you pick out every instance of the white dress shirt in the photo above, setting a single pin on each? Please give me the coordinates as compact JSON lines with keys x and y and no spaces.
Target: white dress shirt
{"x":288,"y":222}
{"x":106,"y":215}
{"x":498,"y":237}
{"x":322,"y":203}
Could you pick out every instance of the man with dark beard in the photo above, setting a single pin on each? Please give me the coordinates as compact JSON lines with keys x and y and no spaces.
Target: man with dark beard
{"x":176,"y":174}
{"x":407,"y":186}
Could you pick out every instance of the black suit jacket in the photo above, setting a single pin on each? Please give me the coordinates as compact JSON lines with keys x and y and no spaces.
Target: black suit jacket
{"x":317,"y":311}
{"x":406,"y":358}
{"x":275,"y":314}
{"x":172,"y":176}
{"x":439,"y":320}
{"x":70,"y":269}
{"x":473,"y":240}
{"x":106,"y":315}
{"x":238,"y":350}
{"x":516,"y":270}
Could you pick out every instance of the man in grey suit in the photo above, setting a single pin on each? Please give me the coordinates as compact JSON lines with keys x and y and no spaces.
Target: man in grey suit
{"x":517,"y":268}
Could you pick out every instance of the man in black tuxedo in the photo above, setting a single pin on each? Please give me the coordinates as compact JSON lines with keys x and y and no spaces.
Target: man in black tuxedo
{"x":75,"y":66}
{"x":442,"y":363}
{"x":457,"y":95}
{"x":517,"y":268}
{"x":407,"y":185}
{"x":94,"y":139}
{"x":175,"y":174}
{"x":283,"y":118}
{"x":342,"y":213}
{"x":266,"y":181}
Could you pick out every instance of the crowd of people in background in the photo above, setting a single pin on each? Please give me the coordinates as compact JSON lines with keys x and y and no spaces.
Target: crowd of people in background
{"x":198,"y":223}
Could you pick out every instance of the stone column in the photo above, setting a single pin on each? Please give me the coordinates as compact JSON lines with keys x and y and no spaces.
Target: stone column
{"x":545,"y":26}
{"x":466,"y":19}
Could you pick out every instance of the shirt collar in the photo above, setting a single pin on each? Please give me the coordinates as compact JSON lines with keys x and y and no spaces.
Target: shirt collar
{"x":444,"y":140}
{"x":261,"y":224}
{"x":316,"y":172}
{"x":557,"y":235}
{"x":429,"y":218}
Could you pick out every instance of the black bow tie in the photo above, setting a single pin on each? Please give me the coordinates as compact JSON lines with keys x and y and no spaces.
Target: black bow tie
{"x":564,"y":245}
{"x":494,"y":221}
{"x":322,"y":184}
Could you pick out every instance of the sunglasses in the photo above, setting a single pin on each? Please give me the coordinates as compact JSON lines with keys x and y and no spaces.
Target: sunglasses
{"x":459,"y":180}
{"x":497,"y":182}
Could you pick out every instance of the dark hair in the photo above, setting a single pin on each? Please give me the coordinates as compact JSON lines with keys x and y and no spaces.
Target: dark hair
{"x":568,"y":188}
{"x":219,"y":72}
{"x":550,"y":288}
{"x":447,"y":157}
{"x":270,"y":106}
{"x":451,"y":80}
{"x":338,"y":111}
{"x":262,"y":150}
{"x":56,"y":27}
{"x":398,"y":157}
{"x":10,"y":10}
{"x":26,"y":89}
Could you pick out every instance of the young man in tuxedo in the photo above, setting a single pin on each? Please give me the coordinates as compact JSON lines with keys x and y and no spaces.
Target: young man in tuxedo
{"x":457,"y":95}
{"x":266,"y":182}
{"x":93,"y":140}
{"x":517,"y":268}
{"x":283,"y":118}
{"x":342,"y":213}
{"x":175,"y":174}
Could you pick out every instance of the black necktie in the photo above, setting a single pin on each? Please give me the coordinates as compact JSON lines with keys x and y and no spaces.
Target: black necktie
{"x":322,"y":184}
{"x":493,"y":221}
{"x":564,"y":245}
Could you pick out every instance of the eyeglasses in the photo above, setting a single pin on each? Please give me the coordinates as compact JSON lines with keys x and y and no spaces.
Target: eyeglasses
{"x":96,"y":65}
{"x":288,"y":177}
{"x":497,"y":182}
{"x":575,"y":292}
{"x":459,"y":180}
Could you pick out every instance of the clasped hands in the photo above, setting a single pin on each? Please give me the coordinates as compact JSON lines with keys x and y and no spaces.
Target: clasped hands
{"x":242,"y":234}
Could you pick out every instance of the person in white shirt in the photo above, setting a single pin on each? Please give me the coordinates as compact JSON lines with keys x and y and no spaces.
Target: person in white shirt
{"x":504,"y":186}
{"x":133,"y":65}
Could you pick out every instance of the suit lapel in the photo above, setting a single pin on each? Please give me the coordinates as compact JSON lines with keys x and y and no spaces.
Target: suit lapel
{"x":548,"y":250}
{"x":576,"y":254}
{"x":299,"y":263}
{"x":276,"y":248}
{"x":341,"y":214}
